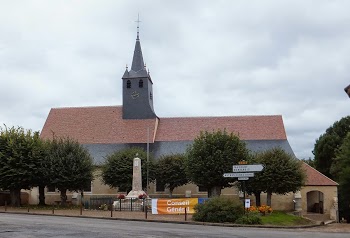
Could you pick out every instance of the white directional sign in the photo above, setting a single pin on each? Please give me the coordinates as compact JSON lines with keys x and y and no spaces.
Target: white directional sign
{"x":244,"y":178}
{"x":238,"y":175}
{"x":248,"y":168}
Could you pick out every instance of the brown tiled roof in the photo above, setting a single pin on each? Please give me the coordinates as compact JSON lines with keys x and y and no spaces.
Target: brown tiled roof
{"x":247,"y":127}
{"x":91,"y":125}
{"x":315,"y":178}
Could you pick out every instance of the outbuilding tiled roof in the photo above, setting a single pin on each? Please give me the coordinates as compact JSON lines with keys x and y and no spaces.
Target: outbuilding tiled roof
{"x":316,"y":178}
{"x":247,"y":127}
{"x":90,"y":125}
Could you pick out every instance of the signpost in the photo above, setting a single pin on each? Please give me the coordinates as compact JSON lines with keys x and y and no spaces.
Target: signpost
{"x":238,"y":175}
{"x":243,"y":172}
{"x":248,"y":168}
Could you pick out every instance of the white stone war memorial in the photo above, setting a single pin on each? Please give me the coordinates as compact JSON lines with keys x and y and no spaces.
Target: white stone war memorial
{"x":136,"y":190}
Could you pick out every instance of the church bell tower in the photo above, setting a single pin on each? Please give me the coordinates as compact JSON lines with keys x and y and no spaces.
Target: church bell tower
{"x":137,"y":88}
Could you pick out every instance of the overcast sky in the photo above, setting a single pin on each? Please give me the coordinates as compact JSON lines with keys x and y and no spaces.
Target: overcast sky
{"x":206,"y":58}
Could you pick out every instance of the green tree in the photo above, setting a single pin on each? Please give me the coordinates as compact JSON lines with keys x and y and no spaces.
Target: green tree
{"x":282,"y":174}
{"x":71,"y":166}
{"x":21,"y":156}
{"x":210,"y":156}
{"x":328,"y":143}
{"x":341,"y":170}
{"x":171,"y":171}
{"x":118,"y":168}
{"x":42,"y":167}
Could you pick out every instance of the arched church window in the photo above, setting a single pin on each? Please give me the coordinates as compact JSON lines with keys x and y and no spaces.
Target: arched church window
{"x":151,"y":95}
{"x":141,"y":83}
{"x":128,"y":84}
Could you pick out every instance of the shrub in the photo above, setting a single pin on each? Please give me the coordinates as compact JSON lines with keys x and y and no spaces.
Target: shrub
{"x":218,"y":210}
{"x":263,"y":209}
{"x":250,"y":218}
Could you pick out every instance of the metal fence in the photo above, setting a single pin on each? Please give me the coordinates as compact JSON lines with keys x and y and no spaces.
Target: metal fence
{"x":122,"y":208}
{"x":109,"y":202}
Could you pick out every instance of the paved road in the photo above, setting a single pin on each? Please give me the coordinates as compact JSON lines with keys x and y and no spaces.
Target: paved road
{"x":20,"y":226}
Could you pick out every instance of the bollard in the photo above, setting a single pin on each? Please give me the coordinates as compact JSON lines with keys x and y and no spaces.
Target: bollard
{"x":112,"y":209}
{"x":185,"y":214}
{"x":120,"y":204}
{"x":81,"y":208}
{"x":53,"y":208}
{"x":5,"y":206}
{"x":145,"y":207}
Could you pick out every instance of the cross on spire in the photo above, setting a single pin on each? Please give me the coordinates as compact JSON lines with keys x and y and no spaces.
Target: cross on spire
{"x":138,"y":25}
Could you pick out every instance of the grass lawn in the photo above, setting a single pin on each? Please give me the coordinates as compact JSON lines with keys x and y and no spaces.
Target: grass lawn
{"x":279,"y":218}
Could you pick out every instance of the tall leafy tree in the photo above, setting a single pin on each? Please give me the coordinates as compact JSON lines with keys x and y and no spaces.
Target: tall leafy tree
{"x":282,"y":174}
{"x":21,"y":156}
{"x":118,"y":168}
{"x":341,"y":170}
{"x":42,"y":168}
{"x":328,"y":143}
{"x":71,"y":166}
{"x":210,"y":156}
{"x":171,"y":171}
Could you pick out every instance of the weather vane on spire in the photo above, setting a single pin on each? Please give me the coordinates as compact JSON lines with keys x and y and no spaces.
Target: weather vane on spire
{"x":138,"y":25}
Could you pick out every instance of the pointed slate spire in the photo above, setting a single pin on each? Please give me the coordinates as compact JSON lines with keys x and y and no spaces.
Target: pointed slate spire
{"x":137,"y":60}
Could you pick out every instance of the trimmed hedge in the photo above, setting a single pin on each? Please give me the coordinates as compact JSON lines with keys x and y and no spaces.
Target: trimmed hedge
{"x":218,"y":210}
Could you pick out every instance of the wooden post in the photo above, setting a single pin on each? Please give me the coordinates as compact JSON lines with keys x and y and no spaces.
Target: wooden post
{"x":120,"y":204}
{"x":185,"y":213}
{"x":53,"y":208}
{"x":81,"y":208}
{"x":5,"y":206}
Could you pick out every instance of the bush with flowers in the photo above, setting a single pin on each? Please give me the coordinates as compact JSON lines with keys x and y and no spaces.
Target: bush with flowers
{"x":263,"y":209}
{"x":142,"y":196}
{"x":121,"y":196}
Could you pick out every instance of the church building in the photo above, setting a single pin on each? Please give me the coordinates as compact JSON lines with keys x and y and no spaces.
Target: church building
{"x":106,"y":129}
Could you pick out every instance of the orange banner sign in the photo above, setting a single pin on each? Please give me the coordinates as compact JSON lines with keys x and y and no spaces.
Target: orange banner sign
{"x":174,"y":206}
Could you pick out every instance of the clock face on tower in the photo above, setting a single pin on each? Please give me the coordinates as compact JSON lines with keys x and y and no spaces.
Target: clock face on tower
{"x":135,"y":95}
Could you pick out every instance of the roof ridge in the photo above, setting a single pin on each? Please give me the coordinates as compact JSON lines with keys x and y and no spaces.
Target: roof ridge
{"x":85,"y":107}
{"x":321,"y":173}
{"x":221,"y":116}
